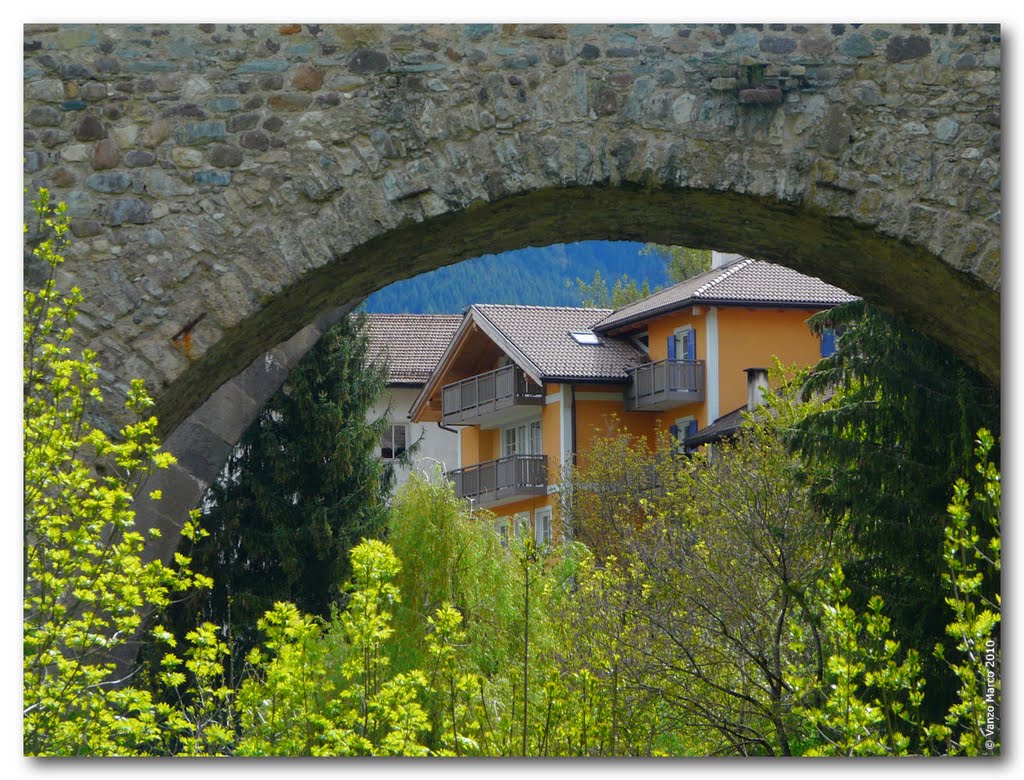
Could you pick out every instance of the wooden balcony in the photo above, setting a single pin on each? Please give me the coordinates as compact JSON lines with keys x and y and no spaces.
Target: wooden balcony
{"x":664,"y":384}
{"x":492,"y":398}
{"x":505,"y":479}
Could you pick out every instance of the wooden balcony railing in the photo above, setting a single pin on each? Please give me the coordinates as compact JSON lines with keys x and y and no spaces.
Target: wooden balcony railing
{"x":665,"y":383}
{"x":486,"y":393}
{"x":513,"y":476}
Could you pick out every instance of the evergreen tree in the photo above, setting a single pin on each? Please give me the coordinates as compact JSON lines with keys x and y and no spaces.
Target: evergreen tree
{"x":882,"y":454}
{"x":302,"y":487}
{"x":681,"y":262}
{"x":597,"y":295}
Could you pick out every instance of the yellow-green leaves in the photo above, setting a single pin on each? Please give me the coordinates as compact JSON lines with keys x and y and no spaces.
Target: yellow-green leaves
{"x":87,"y":587}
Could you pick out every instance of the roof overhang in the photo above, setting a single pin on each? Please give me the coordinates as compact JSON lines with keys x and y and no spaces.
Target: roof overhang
{"x":634,"y":322}
{"x":474,"y":320}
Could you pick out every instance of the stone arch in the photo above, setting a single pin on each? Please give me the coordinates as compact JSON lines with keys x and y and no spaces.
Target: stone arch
{"x":234,"y":187}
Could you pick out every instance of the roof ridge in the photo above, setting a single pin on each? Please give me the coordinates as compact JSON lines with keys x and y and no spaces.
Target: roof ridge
{"x":538,"y":306}
{"x":409,"y":314}
{"x":727,"y":271}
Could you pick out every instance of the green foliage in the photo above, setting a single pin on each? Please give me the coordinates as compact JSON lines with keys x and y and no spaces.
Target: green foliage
{"x":458,"y":560}
{"x":683,"y":263}
{"x":879,"y":457}
{"x":201,"y":723}
{"x":869,"y":701}
{"x":294,"y":705}
{"x":597,"y":295}
{"x":89,"y":585}
{"x":284,"y":700}
{"x":601,"y":698}
{"x":302,"y":486}
{"x":973,"y":564}
{"x":457,"y":717}
{"x":716,"y":556}
{"x":609,"y":494}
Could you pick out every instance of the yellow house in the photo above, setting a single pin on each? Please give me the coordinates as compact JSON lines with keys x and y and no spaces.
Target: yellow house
{"x":532,"y":386}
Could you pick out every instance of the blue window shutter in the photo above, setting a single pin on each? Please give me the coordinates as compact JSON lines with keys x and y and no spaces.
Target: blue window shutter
{"x":673,"y":431}
{"x":828,"y":342}
{"x":671,"y":347}
{"x":690,"y":344}
{"x":691,"y":428}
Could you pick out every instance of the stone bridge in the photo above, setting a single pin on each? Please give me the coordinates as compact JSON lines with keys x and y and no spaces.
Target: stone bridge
{"x":233,"y":188}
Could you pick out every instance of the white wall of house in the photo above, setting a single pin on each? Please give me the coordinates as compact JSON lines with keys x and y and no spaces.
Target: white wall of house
{"x":436,"y":445}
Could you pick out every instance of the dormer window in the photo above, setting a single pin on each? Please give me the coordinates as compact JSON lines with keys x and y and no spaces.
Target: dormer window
{"x":586,"y":337}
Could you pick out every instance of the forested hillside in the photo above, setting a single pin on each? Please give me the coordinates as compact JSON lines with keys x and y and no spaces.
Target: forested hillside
{"x":543,"y":276}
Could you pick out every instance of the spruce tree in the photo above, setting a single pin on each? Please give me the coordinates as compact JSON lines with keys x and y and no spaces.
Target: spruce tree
{"x":303,"y":486}
{"x":882,"y":455}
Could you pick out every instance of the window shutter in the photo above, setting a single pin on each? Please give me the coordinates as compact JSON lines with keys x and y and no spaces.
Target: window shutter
{"x":691,"y":428}
{"x":400,"y":444}
{"x":828,"y":342}
{"x":673,"y":431}
{"x":690,"y":344}
{"x":671,"y":347}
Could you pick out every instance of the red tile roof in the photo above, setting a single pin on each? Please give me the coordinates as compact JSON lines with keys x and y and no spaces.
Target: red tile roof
{"x":742,"y":282}
{"x":542,"y":334}
{"x":411,"y":343}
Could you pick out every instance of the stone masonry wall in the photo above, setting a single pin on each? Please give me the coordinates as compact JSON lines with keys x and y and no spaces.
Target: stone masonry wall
{"x":230,"y":186}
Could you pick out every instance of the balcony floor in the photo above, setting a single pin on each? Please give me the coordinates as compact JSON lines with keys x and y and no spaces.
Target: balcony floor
{"x":498,"y":498}
{"x":669,"y":399}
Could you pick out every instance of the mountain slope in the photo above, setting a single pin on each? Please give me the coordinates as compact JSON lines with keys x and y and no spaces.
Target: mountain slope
{"x":543,"y":276}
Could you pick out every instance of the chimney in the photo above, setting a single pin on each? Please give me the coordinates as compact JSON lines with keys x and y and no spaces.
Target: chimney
{"x":757,"y":383}
{"x":718,"y":259}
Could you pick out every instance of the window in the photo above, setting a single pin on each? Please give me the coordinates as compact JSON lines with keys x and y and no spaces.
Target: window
{"x":828,"y":342}
{"x":682,"y":345}
{"x":536,"y":446}
{"x":542,"y":526}
{"x":522,"y":525}
{"x":508,"y":441}
{"x":525,"y":439}
{"x":501,"y":528}
{"x":684,"y":428}
{"x":394,"y":441}
{"x":586,"y":337}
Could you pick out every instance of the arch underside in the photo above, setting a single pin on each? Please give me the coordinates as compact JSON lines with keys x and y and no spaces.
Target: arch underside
{"x":950,"y":306}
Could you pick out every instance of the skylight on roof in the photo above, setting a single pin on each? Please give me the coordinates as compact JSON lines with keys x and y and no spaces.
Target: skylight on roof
{"x":585,"y":337}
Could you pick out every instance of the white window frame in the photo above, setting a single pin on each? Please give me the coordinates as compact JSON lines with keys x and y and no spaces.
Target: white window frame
{"x":586,"y":337}
{"x":501,"y":528}
{"x":536,"y":444}
{"x":522,"y":439}
{"x":521,"y":525}
{"x":679,"y":342}
{"x":542,"y":520}
{"x":505,"y":448}
{"x":682,"y":424}
{"x":389,"y":439}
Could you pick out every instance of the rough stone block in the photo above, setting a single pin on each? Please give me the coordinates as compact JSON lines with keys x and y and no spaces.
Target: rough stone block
{"x":215,"y":178}
{"x":114,"y":182}
{"x":228,"y":411}
{"x":761,"y":96}
{"x":128,"y":211}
